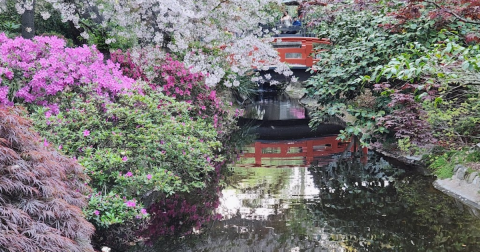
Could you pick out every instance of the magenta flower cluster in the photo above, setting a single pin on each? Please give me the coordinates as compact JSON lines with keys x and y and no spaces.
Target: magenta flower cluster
{"x":36,"y":70}
{"x":130,"y":203}
{"x":176,"y":80}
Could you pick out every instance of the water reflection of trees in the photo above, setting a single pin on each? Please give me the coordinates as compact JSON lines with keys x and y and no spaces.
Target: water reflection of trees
{"x":361,"y":207}
{"x":377,"y":207}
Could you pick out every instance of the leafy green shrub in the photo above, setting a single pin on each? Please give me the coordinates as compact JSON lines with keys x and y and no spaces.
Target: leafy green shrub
{"x":442,"y":167}
{"x":9,"y":20}
{"x":140,"y":144}
{"x":443,"y":164}
{"x":359,"y":44}
{"x":402,"y":47}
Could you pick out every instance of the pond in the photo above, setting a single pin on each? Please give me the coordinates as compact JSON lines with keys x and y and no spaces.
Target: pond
{"x":312,"y":194}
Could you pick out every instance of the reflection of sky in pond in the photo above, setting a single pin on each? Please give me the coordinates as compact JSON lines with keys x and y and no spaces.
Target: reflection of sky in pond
{"x":272,"y":199}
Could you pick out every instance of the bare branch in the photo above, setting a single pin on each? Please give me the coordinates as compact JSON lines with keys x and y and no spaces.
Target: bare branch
{"x":454,"y":14}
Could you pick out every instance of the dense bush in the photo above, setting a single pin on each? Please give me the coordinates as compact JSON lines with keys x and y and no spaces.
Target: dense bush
{"x":41,"y":192}
{"x":359,"y":44}
{"x":141,"y":144}
{"x":137,"y":142}
{"x":449,"y":102}
{"x":424,"y":58}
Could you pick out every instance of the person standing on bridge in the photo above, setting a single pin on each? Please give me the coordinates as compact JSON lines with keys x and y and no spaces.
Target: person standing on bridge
{"x":286,"y":19}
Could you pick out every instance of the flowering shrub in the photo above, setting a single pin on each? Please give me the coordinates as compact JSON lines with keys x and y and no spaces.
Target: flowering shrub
{"x":37,"y":71}
{"x":42,"y":192}
{"x":128,"y":65}
{"x":109,"y":209}
{"x":140,"y":144}
{"x":132,"y":144}
{"x":118,"y":220}
{"x":177,"y":81}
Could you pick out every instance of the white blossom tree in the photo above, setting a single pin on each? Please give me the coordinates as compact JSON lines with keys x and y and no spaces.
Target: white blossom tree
{"x":185,"y":26}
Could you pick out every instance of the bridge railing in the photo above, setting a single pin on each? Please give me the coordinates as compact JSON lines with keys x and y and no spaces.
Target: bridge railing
{"x":301,"y":55}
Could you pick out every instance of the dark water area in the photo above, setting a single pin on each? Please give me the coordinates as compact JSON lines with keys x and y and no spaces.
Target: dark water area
{"x":313,"y":194}
{"x":273,"y":116}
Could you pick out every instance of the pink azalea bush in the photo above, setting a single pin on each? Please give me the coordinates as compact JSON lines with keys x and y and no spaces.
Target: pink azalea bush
{"x":133,"y":140}
{"x":37,"y":71}
{"x":177,"y":81}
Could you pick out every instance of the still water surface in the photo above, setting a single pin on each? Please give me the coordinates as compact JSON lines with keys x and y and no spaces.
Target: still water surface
{"x":312,"y":195}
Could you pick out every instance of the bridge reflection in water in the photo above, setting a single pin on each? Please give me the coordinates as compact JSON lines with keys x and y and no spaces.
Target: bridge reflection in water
{"x":292,"y":152}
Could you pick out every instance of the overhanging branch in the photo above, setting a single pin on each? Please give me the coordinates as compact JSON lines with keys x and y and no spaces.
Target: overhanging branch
{"x":454,"y":14}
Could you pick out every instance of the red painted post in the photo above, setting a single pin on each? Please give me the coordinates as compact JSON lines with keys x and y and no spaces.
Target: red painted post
{"x":258,"y":154}
{"x":309,"y":152}
{"x":308,"y":52}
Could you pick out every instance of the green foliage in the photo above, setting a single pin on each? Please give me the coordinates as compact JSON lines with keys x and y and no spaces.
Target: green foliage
{"x":143,"y":142}
{"x":110,"y":209}
{"x":359,"y":45}
{"x":442,"y":167}
{"x":454,"y":113}
{"x":406,"y":146}
{"x":368,"y":48}
{"x":99,"y":36}
{"x":10,"y":20}
{"x":444,"y":163}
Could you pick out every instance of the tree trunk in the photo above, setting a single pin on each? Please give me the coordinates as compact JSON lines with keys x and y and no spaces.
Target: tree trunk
{"x":28,"y":24}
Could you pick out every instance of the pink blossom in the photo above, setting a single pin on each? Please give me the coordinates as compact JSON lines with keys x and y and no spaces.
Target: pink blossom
{"x":124,"y":158}
{"x":213,"y":95}
{"x":129,"y":174}
{"x":9,"y":74}
{"x":143,"y":211}
{"x":86,"y":133}
{"x":3,"y":95}
{"x":149,"y":176}
{"x":130,"y":203}
{"x":45,"y":142}
{"x":96,"y":212}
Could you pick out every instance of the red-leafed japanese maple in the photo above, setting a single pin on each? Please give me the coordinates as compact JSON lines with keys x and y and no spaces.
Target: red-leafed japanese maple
{"x":41,"y":192}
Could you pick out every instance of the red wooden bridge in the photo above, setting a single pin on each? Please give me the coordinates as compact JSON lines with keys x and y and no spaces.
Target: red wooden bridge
{"x":298,"y":51}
